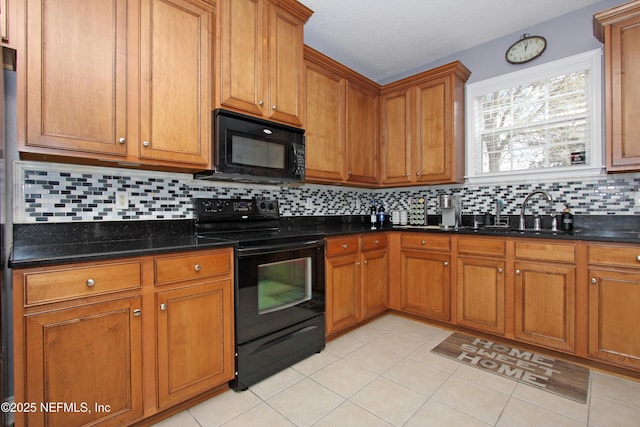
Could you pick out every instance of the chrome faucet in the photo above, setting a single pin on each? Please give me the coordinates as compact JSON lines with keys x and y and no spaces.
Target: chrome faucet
{"x":524,"y":205}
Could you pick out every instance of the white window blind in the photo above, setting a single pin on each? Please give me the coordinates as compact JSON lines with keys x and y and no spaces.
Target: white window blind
{"x":544,"y":119}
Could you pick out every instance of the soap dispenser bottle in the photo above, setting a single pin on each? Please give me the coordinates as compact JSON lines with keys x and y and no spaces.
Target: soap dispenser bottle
{"x":567,"y":220}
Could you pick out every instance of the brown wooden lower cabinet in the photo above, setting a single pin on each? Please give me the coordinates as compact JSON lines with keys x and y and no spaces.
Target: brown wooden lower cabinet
{"x":545,"y":304}
{"x":87,"y":357}
{"x":92,"y":341}
{"x":356,"y":279}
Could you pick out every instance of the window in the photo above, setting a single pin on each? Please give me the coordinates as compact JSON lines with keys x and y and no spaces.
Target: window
{"x":541,"y":121}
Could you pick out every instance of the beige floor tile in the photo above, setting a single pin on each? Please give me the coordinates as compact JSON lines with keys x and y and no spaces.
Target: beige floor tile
{"x":389,"y":400}
{"x":261,"y":415}
{"x":276,"y":383}
{"x":224,"y":407}
{"x":436,"y":414}
{"x":344,"y":345}
{"x":305,"y":402}
{"x":315,"y":362}
{"x":610,"y":413}
{"x":417,"y":376}
{"x":524,"y":414}
{"x":391,"y":322}
{"x":424,"y":355}
{"x":398,"y":342}
{"x":182,"y":419}
{"x":350,"y":415}
{"x":420,"y":330}
{"x":368,"y":332}
{"x":486,"y":379}
{"x":473,"y":399}
{"x":344,"y":377}
{"x":616,"y":388}
{"x":374,"y":358}
{"x":553,"y":402}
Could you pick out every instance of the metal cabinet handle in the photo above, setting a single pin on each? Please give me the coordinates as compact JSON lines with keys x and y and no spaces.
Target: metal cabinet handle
{"x":196,"y":267}
{"x":424,"y":242}
{"x":408,"y":174}
{"x":377,"y":242}
{"x":349,"y":173}
{"x":90,"y":282}
{"x":137,"y":312}
{"x":594,"y":280}
{"x":517,"y":271}
{"x":163,"y":307}
{"x":638,"y":258}
{"x":446,"y":263}
{"x":418,"y":173}
{"x":261,"y":102}
{"x":366,"y":262}
{"x":146,"y":143}
{"x":499,"y":269}
{"x":273,"y":107}
{"x":358,"y":263}
{"x":122,"y":140}
{"x":345,"y":246}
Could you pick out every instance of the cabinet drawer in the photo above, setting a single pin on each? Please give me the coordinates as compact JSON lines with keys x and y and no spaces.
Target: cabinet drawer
{"x":431,"y":242}
{"x":546,"y":251}
{"x":191,"y":267}
{"x":372,"y":242}
{"x":342,"y":245}
{"x":482,"y":246}
{"x":623,"y":256}
{"x":76,"y":282}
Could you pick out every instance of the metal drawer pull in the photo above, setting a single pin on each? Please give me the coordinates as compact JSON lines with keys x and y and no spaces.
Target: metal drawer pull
{"x":499,"y":269}
{"x":90,"y":282}
{"x":358,"y":263}
{"x":424,"y":242}
{"x":594,"y":280}
{"x":196,"y":267}
{"x":163,"y":307}
{"x":377,"y":242}
{"x":446,"y":263}
{"x":366,"y":262}
{"x":122,"y":140}
{"x":137,"y":312}
{"x":517,"y":271}
{"x":638,"y":258}
{"x":345,"y":246}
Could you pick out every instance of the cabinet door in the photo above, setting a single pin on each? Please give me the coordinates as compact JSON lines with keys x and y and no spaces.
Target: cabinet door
{"x":343,"y":292}
{"x":614,"y":304}
{"x":241,"y":67}
{"x":195,"y":340}
{"x":90,"y":354}
{"x":623,"y":134}
{"x":362,"y":135}
{"x":481,"y":294}
{"x":395,"y":137}
{"x":433,"y":134}
{"x":175,"y":88}
{"x":545,"y":305}
{"x":375,"y":286}
{"x":324,"y":125}
{"x":286,"y":66}
{"x":76,"y":67}
{"x":426,"y":282}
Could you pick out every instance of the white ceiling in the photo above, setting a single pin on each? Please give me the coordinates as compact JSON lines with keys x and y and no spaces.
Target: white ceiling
{"x":384,"y":38}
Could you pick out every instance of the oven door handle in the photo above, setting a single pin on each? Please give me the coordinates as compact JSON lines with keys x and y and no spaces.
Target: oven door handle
{"x":266,"y":249}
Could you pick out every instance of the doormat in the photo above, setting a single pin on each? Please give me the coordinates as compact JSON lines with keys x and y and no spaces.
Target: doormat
{"x":544,"y":372}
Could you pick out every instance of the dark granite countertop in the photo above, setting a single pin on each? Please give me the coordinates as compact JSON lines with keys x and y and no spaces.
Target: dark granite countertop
{"x":58,"y":243}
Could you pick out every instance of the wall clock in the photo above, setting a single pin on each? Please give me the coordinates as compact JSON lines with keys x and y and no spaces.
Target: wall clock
{"x":526,"y":49}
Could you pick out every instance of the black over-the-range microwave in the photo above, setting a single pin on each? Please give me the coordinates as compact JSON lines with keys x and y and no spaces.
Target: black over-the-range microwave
{"x":250,"y":149}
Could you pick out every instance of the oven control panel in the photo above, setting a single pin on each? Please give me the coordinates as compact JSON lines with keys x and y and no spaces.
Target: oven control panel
{"x":235,"y":209}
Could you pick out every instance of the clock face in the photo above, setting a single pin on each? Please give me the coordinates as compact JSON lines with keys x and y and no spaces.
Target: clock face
{"x":526,"y":49}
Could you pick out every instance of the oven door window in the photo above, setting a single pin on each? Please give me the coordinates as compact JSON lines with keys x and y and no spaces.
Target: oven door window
{"x":283,"y":284}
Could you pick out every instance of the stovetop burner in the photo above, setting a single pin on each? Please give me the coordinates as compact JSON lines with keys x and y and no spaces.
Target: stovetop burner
{"x":247,"y":221}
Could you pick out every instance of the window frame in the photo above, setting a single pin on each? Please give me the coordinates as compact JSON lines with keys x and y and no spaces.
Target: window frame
{"x":590,"y":60}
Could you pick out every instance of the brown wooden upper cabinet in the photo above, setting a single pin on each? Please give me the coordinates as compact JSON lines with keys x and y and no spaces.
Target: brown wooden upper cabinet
{"x":618,"y":28}
{"x":341,"y":126}
{"x":422,"y":128}
{"x":260,"y":58}
{"x":105,"y":81}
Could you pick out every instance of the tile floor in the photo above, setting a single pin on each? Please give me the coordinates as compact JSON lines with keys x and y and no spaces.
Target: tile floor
{"x":384,"y":374}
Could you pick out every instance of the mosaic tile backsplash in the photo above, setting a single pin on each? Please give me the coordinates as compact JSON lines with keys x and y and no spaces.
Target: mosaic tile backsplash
{"x":50,"y":192}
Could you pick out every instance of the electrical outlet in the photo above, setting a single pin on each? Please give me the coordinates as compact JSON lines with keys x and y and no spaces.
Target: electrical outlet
{"x":309,"y":203}
{"x":636,"y":198}
{"x":122,"y":200}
